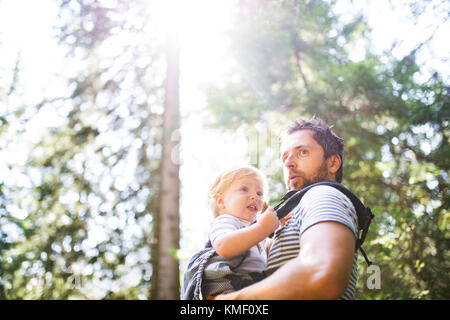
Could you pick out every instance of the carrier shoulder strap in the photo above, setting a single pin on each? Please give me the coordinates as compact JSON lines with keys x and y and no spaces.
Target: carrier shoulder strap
{"x":365,"y":215}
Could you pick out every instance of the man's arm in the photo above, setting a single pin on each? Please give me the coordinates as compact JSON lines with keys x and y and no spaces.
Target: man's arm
{"x":321,"y":270}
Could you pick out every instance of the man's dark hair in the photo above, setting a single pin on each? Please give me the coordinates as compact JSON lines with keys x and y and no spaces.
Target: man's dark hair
{"x":330,"y":142}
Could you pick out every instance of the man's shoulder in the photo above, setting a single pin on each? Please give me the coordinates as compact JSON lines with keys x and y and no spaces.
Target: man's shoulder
{"x":321,"y":194}
{"x":326,"y":203}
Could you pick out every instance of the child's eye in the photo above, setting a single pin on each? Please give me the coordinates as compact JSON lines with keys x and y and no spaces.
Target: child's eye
{"x":244,"y":189}
{"x":259,"y":193}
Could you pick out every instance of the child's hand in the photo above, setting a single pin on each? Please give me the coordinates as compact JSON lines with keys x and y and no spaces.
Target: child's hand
{"x":268,"y":220}
{"x":285,"y":219}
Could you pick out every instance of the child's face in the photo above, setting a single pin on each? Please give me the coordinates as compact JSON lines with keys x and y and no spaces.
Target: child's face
{"x":243,"y":198}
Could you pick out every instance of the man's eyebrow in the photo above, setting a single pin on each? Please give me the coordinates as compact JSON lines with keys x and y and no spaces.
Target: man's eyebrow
{"x":303,"y":146}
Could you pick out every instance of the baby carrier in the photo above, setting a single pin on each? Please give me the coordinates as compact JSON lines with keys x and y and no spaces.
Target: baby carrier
{"x":207,"y":264}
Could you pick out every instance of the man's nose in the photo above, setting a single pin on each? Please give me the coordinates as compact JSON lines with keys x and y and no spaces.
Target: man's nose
{"x":289,"y":162}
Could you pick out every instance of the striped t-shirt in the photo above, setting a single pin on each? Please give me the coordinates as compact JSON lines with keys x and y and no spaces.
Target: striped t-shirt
{"x":321,"y":203}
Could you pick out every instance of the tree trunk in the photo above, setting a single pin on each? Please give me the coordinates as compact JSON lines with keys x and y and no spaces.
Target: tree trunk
{"x":168,"y":285}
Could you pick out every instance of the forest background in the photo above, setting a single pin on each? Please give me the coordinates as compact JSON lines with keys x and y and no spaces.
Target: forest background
{"x":116,"y":115}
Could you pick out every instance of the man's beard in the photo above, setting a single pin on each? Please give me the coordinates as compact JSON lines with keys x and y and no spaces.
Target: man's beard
{"x":304,"y":181}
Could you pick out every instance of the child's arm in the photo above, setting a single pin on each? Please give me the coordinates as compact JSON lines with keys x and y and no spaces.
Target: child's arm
{"x":234,"y":243}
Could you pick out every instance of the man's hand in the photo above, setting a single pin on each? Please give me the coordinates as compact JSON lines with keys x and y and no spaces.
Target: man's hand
{"x":226,"y":296}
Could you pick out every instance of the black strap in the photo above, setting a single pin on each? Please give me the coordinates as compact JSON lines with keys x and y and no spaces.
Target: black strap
{"x":365,"y":215}
{"x":365,"y":256}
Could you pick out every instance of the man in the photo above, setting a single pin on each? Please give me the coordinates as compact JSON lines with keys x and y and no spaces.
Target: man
{"x":313,"y":256}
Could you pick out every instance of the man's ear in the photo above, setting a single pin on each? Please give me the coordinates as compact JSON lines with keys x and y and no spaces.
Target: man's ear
{"x":334,"y":163}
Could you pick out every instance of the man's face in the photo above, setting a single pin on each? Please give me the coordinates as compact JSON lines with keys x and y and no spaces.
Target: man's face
{"x":303,"y":160}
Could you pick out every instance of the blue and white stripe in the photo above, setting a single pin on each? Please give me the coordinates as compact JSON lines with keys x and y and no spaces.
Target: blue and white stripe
{"x":321,"y":203}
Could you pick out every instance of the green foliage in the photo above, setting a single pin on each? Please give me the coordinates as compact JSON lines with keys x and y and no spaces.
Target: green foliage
{"x":79,"y":223}
{"x":78,"y":213}
{"x":292,"y":59}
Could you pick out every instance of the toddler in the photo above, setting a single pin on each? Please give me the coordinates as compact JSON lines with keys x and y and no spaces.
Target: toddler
{"x":236,"y":253}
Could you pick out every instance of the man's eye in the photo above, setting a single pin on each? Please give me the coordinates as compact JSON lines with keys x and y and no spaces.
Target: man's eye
{"x":303,"y":152}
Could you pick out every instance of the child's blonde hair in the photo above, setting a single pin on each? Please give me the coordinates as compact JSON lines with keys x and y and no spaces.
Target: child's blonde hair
{"x":224,"y":180}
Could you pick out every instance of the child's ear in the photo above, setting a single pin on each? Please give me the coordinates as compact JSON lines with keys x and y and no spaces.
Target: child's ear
{"x":220,"y":201}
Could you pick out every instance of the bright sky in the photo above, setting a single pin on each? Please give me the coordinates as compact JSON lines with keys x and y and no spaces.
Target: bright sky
{"x":203,"y":58}
{"x":390,"y":21}
{"x":26,"y":26}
